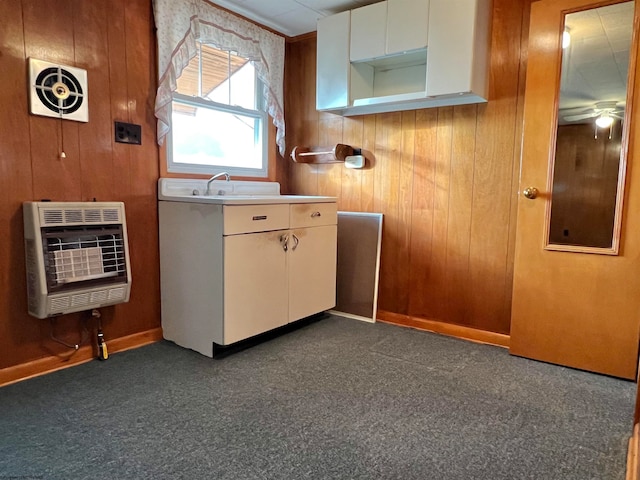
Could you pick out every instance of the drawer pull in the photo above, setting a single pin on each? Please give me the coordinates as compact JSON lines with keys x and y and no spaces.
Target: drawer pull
{"x":315,"y":214}
{"x":259,"y":217}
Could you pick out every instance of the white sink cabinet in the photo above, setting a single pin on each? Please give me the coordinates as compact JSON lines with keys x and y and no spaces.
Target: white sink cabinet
{"x":233,"y":271}
{"x":312,"y":258}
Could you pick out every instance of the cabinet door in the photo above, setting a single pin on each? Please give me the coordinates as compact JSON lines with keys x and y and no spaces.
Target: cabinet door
{"x":255,"y":284}
{"x":332,"y":62}
{"x":458,"y":45}
{"x":368,"y":32}
{"x":312,"y":270}
{"x":407,"y":25}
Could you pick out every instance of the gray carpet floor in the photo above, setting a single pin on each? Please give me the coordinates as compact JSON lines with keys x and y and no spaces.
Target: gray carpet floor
{"x":337,"y":399}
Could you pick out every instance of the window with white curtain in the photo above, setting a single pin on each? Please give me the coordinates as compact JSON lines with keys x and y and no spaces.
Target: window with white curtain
{"x":220,"y":80}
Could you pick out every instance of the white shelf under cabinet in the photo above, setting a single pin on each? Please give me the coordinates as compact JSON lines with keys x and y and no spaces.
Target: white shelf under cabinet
{"x":385,"y":78}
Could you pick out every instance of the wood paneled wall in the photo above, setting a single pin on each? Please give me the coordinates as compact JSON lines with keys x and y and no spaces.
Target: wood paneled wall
{"x":445,"y":179}
{"x":114,"y":41}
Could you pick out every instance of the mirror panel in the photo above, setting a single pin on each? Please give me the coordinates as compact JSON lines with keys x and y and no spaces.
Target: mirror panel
{"x":589,"y":163}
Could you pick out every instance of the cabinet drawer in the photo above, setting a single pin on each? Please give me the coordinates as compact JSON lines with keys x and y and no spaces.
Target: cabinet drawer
{"x":313,"y":214}
{"x":255,"y":218}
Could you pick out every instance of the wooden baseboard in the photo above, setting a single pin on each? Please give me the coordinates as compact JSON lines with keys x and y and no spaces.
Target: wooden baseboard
{"x":632,"y":455}
{"x":458,"y":331}
{"x":84,"y":354}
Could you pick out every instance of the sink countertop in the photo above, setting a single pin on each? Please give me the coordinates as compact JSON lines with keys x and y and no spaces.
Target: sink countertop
{"x":234,"y":192}
{"x":247,"y":199}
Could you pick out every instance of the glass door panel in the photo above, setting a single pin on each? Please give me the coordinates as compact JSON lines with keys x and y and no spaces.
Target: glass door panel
{"x":584,"y":214}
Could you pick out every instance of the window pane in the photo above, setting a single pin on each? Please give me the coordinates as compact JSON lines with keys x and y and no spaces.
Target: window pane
{"x":224,"y":74}
{"x":204,"y":136}
{"x":243,"y":89}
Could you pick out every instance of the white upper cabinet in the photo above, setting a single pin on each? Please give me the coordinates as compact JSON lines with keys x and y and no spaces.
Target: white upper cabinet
{"x":407,"y":25}
{"x":388,"y":28}
{"x":457,"y":60}
{"x":332,"y":62}
{"x":368,"y":32}
{"x":402,"y":55}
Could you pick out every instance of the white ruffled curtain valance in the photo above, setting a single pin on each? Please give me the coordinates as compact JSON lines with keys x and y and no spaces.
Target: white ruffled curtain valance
{"x":180,"y":23}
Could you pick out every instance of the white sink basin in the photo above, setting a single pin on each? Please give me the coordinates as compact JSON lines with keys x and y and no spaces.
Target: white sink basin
{"x":248,"y":199}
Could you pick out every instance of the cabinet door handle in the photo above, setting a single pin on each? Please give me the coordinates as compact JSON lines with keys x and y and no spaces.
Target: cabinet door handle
{"x":284,"y":239}
{"x":259,"y":217}
{"x":296,"y":240}
{"x":315,"y":214}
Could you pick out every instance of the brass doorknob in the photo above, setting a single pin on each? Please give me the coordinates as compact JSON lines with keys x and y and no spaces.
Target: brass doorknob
{"x":530,"y":192}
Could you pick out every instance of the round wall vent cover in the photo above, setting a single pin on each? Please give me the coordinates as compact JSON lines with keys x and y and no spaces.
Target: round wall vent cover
{"x":58,"y":91}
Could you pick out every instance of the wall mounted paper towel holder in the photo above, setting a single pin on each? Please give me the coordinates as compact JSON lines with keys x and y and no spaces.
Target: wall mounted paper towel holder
{"x":339,"y":153}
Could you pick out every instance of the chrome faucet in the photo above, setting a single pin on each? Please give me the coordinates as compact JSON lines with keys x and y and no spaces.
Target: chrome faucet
{"x":216,"y":176}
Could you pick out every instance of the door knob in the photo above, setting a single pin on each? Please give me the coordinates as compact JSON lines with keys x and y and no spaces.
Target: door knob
{"x":530,"y":192}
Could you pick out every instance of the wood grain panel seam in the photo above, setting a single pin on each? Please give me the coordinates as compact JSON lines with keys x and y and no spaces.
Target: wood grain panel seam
{"x":471,"y":196}
{"x":407,"y":215}
{"x":516,"y":167}
{"x":24,"y":55}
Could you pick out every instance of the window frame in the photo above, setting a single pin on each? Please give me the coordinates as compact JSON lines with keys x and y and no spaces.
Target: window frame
{"x":200,"y":102}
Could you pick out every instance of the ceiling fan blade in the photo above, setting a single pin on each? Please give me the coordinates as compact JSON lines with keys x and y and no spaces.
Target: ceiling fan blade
{"x":582,"y":116}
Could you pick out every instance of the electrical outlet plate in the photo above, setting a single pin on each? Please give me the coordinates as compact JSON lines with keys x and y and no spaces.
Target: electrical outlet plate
{"x":128,"y":133}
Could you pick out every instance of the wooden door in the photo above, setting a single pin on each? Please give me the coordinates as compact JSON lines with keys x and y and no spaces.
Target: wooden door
{"x":573,"y":306}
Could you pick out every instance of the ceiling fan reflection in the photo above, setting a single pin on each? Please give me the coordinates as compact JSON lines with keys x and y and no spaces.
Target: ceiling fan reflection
{"x":603,"y":112}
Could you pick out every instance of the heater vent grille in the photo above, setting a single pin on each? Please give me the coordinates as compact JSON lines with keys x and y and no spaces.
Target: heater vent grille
{"x":116,"y":293}
{"x":99,"y":296}
{"x":79,"y":216}
{"x":92,"y":215}
{"x":59,"y":304}
{"x":80,"y":300}
{"x":73,"y":216}
{"x":52,"y":216}
{"x":111,"y":215}
{"x":76,"y":255}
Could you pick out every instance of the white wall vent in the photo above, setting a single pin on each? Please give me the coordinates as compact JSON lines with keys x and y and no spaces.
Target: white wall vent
{"x":77,"y":256}
{"x":58,"y":91}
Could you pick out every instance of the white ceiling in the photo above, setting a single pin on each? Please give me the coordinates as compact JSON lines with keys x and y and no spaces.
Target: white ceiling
{"x":290,"y":17}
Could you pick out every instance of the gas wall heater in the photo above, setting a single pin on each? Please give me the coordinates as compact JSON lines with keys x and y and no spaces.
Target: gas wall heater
{"x":77,"y":256}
